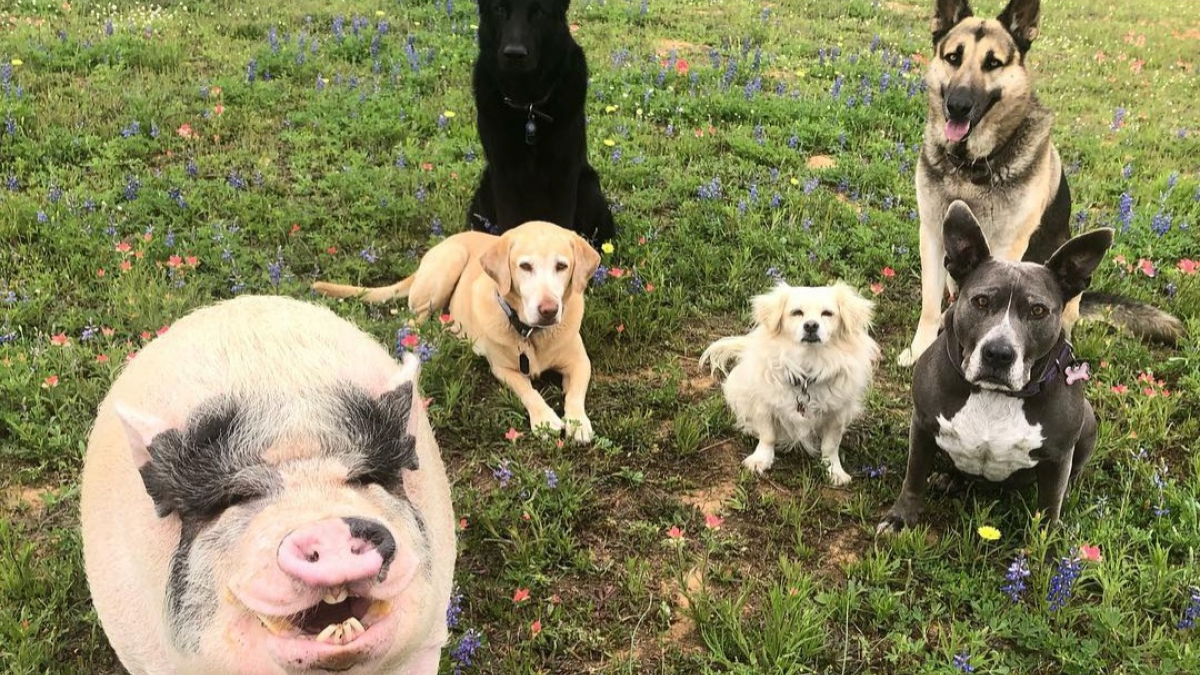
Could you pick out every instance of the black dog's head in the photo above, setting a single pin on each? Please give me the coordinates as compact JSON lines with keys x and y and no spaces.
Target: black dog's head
{"x":1009,"y":314}
{"x":520,"y":32}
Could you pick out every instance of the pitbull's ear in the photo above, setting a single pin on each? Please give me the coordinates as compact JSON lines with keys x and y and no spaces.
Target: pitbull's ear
{"x":966,"y":247}
{"x":769,"y":309}
{"x":494,"y":262}
{"x":587,"y":261}
{"x":1020,"y":19}
{"x":946,"y":15}
{"x":140,"y":429}
{"x":1073,"y":263}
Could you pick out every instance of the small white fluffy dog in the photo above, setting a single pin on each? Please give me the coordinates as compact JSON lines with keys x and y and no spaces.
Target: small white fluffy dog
{"x":801,"y":373}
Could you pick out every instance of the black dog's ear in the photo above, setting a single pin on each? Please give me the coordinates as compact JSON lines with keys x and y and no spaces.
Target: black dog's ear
{"x":946,"y":15}
{"x":966,"y":247}
{"x":1020,"y":19}
{"x":1073,"y":263}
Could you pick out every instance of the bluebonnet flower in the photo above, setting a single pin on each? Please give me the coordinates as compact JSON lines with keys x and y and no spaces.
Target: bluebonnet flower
{"x":9,"y":336}
{"x":741,"y":207}
{"x":1191,"y":613}
{"x":875,"y":44}
{"x":913,"y":87}
{"x":131,"y":130}
{"x":1118,"y":119}
{"x":42,"y":217}
{"x":850,"y":101}
{"x":714,"y":57}
{"x":275,"y":268}
{"x":835,"y":52}
{"x":10,"y":125}
{"x":760,"y":136}
{"x":836,"y":90}
{"x":425,"y":351}
{"x":1125,"y":211}
{"x":753,"y":192}
{"x":551,"y":479}
{"x":235,"y":180}
{"x":616,"y":155}
{"x":821,"y":56}
{"x":793,"y":141}
{"x":730,"y":71}
{"x":258,"y":178}
{"x":873,"y":471}
{"x":442,"y":121}
{"x":54,"y":194}
{"x":766,"y":14}
{"x":450,"y":7}
{"x":1080,"y":218}
{"x":962,"y":662}
{"x":1018,"y":571}
{"x":757,"y":65}
{"x":807,"y":224}
{"x":421,"y":193}
{"x":153,"y":130}
{"x":132,"y":185}
{"x":177,"y":195}
{"x":753,"y":87}
{"x":401,"y":161}
{"x":89,"y":332}
{"x":454,"y":609}
{"x":410,"y":51}
{"x":369,"y":254}
{"x":776,"y":200}
{"x":10,"y":298}
{"x":1160,"y":223}
{"x":470,"y":156}
{"x":338,"y":23}
{"x":774,"y":273}
{"x":464,"y":651}
{"x":621,"y":57}
{"x":1127,"y":171}
{"x":273,"y":40}
{"x":251,"y":70}
{"x":226,"y":255}
{"x":435,"y":227}
{"x":1171,"y":289}
{"x":842,"y":139}
{"x":89,"y":205}
{"x":811,"y":184}
{"x":1063,"y":582}
{"x":320,"y":82}
{"x":108,"y":27}
{"x":884,"y":81}
{"x":780,"y":89}
{"x":710,"y":191}
{"x":502,"y":473}
{"x":191,"y":168}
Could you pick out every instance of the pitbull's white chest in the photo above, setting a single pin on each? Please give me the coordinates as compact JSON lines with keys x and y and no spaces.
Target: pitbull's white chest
{"x":990,"y":436}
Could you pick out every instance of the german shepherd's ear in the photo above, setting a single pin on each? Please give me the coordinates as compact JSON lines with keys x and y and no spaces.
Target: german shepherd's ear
{"x":1073,"y":263}
{"x":494,"y":262}
{"x":966,"y":247}
{"x":946,"y":15}
{"x":587,"y":261}
{"x":769,"y":309}
{"x":1020,"y":19}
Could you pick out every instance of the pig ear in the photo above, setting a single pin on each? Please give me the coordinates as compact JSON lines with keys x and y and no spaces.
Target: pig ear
{"x":140,"y":430}
{"x":402,"y":393}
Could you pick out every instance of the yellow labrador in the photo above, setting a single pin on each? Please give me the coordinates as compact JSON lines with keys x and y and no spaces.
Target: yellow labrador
{"x":518,"y":298}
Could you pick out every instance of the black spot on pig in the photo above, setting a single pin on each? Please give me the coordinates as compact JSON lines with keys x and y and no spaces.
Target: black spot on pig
{"x":208,"y":466}
{"x":377,"y":431}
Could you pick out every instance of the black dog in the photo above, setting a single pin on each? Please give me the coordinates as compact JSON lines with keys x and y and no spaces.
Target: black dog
{"x":530,"y":89}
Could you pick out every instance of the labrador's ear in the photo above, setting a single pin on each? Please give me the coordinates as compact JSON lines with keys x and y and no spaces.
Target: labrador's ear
{"x":587,"y":261}
{"x":494,"y":262}
{"x":769,"y":309}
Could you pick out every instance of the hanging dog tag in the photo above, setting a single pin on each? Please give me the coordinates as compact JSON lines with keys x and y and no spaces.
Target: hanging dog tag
{"x":530,"y":130}
{"x":524,"y":364}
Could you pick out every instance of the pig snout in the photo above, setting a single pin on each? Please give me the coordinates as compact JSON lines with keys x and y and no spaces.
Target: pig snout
{"x":337,"y":551}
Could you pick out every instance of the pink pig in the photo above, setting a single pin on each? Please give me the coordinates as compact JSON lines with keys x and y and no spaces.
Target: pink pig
{"x":262,"y":495}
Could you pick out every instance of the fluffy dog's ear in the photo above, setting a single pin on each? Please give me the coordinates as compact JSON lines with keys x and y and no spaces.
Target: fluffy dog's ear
{"x":1073,"y":263}
{"x":855,"y":310}
{"x":966,"y":247}
{"x":769,"y":309}
{"x":587,"y":261}
{"x":494,"y":262}
{"x":946,"y":15}
{"x":1020,"y":19}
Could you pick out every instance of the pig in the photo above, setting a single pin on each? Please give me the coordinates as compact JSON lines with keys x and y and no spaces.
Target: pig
{"x":263,"y":494}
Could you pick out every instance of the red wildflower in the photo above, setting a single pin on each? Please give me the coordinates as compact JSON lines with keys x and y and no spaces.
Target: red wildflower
{"x":889,"y":272}
{"x":675,"y":532}
{"x":60,"y":340}
{"x":126,"y":265}
{"x":1090,"y":553}
{"x":1188,"y":266}
{"x":219,"y":109}
{"x":713,"y":521}
{"x":49,"y":382}
{"x":123,"y":247}
{"x":876,"y":288}
{"x":185,"y":130}
{"x":100,"y":272}
{"x":682,"y":67}
{"x":102,"y":358}
{"x":174,"y":261}
{"x":1147,"y":267}
{"x":191,"y":261}
{"x":512,"y":434}
{"x":332,"y":250}
{"x":535,"y":628}
{"x":295,"y":229}
{"x":409,"y":341}
{"x":162,"y":330}
{"x":521,"y":595}
{"x":1119,"y":389}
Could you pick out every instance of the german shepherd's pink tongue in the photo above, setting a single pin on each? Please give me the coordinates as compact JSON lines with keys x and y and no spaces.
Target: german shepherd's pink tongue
{"x":956,"y":131}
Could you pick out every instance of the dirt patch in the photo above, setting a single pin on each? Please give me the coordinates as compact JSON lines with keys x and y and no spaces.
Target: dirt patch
{"x":665,"y":46}
{"x":26,"y":498}
{"x":819,"y":162}
{"x":845,"y":548}
{"x":683,"y":626}
{"x":697,"y":387}
{"x":711,"y":500}
{"x":905,"y":8}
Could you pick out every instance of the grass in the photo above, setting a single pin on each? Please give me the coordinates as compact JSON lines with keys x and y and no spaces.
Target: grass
{"x":126,"y":147}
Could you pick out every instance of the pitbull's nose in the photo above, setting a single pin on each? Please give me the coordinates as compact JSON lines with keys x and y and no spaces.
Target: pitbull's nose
{"x":515,"y":52}
{"x":999,"y":354}
{"x":811,"y":326}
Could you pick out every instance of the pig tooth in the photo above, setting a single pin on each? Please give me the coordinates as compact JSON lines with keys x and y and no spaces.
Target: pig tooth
{"x":355,"y":626}
{"x":333,"y":597}
{"x":339,"y":635}
{"x":330,"y":598}
{"x":276,"y":625}
{"x":343,"y":593}
{"x":327,"y":634}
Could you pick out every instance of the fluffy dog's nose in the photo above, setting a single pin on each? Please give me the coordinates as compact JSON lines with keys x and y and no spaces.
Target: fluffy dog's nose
{"x":959,"y":103}
{"x":548,"y":310}
{"x":999,"y":354}
{"x":811,"y":326}
{"x":515,"y":52}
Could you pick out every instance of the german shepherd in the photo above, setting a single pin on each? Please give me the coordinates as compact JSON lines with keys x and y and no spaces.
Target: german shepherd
{"x":987,"y":142}
{"x":530,"y":85}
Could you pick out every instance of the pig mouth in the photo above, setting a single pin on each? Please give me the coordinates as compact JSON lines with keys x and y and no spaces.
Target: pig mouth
{"x":338,"y":619}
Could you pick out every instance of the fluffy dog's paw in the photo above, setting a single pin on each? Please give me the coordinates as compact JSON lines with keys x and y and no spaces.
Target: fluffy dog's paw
{"x":906,"y":358}
{"x":838,"y":477}
{"x":579,"y":429}
{"x":759,"y":462}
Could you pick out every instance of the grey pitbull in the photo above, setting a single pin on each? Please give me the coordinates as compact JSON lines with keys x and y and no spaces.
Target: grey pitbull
{"x":999,"y":391}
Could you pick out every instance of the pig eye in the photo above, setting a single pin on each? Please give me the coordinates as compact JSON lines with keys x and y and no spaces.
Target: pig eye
{"x":527,"y":267}
{"x":1039,"y":311}
{"x":992,"y":63}
{"x":559,"y":267}
{"x":981,"y":301}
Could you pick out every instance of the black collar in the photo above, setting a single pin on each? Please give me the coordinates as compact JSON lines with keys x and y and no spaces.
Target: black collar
{"x":523,"y":329}
{"x":1054,"y":364}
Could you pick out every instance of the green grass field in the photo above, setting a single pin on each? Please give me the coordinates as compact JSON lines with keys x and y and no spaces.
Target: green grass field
{"x":154,"y":160}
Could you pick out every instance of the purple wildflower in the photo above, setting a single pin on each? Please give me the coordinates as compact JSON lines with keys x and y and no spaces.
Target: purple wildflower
{"x":132,"y":185}
{"x":1125,"y":211}
{"x":502,"y":473}
{"x":551,"y":479}
{"x":464,"y":651}
{"x":1118,"y":119}
{"x":1016,"y":575}
{"x":369,"y":254}
{"x":42,"y":217}
{"x":235,"y":180}
{"x":454,"y":609}
{"x":1191,"y":613}
{"x":962,"y":662}
{"x":1127,"y":171}
{"x":1063,"y":582}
